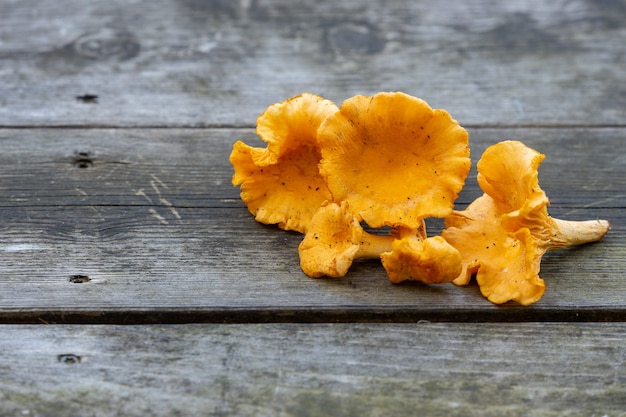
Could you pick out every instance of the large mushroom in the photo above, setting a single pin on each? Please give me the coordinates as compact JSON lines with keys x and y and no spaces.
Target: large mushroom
{"x":394,"y":159}
{"x":503,"y":234}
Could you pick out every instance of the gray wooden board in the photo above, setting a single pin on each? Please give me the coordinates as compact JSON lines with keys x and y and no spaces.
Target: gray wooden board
{"x":278,"y":370}
{"x":208,"y":63}
{"x":157,"y":226}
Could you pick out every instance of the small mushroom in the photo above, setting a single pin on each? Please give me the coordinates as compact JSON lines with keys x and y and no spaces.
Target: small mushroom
{"x":281,"y":183}
{"x":334,"y":239}
{"x":503,"y":234}
{"x":431,"y":260}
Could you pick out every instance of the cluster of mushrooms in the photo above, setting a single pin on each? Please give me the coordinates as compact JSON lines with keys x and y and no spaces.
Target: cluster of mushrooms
{"x":386,"y":163}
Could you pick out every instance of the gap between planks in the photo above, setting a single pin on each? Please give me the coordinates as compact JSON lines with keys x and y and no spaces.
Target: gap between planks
{"x":315,"y":315}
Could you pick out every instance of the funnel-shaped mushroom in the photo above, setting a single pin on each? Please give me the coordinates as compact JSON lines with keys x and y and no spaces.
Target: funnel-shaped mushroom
{"x":281,"y":183}
{"x":504,"y":233}
{"x":394,"y":159}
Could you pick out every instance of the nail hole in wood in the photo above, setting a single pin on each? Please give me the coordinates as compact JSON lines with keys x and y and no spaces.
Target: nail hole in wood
{"x":82,"y":159}
{"x":79,"y":279}
{"x":88,"y":98}
{"x":69,"y":358}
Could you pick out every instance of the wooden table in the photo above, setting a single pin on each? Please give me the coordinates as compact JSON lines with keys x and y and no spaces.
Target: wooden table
{"x":135,"y":282}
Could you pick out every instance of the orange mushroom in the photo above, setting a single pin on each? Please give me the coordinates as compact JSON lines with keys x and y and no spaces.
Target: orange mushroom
{"x":394,"y":159}
{"x":503,"y":234}
{"x":334,"y":239}
{"x":281,"y":183}
{"x":431,"y":260}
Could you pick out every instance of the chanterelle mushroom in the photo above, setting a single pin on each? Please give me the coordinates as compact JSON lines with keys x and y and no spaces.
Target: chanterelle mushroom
{"x":504,"y":233}
{"x":431,"y":260}
{"x":281,"y":183}
{"x":394,"y":159}
{"x":334,"y":239}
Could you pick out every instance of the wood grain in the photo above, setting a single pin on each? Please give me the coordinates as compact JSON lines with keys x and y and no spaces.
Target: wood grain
{"x":155,"y":224}
{"x":314,"y":370}
{"x":116,"y":208}
{"x":220,"y":63}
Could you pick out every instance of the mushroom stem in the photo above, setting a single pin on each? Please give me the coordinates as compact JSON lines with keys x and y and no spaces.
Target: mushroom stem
{"x":371,"y":246}
{"x":569,"y":233}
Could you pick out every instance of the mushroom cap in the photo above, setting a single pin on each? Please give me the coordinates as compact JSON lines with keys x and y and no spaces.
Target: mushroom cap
{"x":506,"y":263}
{"x":394,"y":159}
{"x":509,"y":173}
{"x":287,"y":193}
{"x":281,"y":183}
{"x":331,"y":242}
{"x":432,"y":260}
{"x":514,"y":186}
{"x":291,"y":125}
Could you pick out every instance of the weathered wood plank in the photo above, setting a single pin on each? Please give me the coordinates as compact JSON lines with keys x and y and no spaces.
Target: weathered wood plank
{"x":314,"y":370}
{"x":157,"y":226}
{"x":207,"y":63}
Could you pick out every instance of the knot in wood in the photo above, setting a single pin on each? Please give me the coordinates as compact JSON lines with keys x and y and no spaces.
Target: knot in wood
{"x":82,"y":159}
{"x":78,"y":278}
{"x":107,"y":44}
{"x":68,"y":358}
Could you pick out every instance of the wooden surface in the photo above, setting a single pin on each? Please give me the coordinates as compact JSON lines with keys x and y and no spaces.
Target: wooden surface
{"x":155,"y":224}
{"x":116,"y":208}
{"x":322,"y":370}
{"x":214,"y":63}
